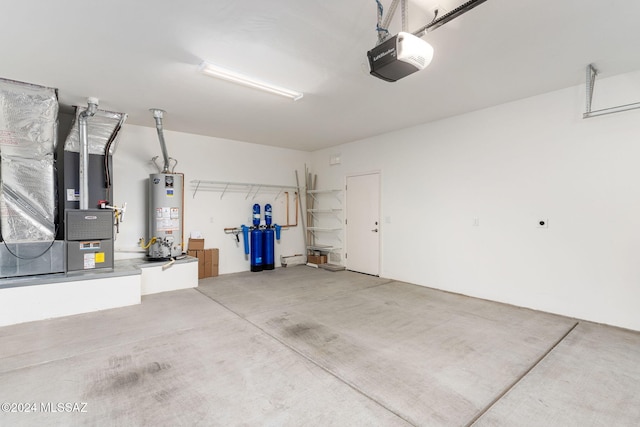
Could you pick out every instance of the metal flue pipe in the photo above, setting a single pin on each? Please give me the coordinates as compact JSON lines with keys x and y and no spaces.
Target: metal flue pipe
{"x":92,"y":107}
{"x":157,"y":115}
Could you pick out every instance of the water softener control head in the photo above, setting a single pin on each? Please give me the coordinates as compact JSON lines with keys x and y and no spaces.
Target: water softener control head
{"x":256,"y":215}
{"x":267,"y":214}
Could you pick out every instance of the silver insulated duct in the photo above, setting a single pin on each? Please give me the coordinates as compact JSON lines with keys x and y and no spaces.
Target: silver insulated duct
{"x":28,"y":137}
{"x":28,"y":128}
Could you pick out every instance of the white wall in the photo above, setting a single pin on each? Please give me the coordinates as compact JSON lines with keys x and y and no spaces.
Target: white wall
{"x":204,"y":158}
{"x":510,"y":166}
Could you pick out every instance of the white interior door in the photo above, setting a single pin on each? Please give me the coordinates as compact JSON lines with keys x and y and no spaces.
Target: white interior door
{"x":363,"y":224}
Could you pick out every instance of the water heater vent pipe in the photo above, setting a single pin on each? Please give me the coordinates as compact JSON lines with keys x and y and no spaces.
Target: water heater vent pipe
{"x":157,"y":115}
{"x":92,"y":107}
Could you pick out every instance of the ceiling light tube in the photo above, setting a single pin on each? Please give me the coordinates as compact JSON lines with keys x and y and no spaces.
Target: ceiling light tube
{"x":225,"y":74}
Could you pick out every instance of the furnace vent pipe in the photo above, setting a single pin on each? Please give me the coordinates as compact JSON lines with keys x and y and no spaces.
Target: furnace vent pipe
{"x":157,"y":115}
{"x":92,"y":107}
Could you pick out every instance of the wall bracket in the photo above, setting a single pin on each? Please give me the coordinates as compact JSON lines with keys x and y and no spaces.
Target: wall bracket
{"x":592,"y":72}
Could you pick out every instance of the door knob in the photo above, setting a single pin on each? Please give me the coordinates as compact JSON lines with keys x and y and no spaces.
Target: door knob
{"x":375,"y":230}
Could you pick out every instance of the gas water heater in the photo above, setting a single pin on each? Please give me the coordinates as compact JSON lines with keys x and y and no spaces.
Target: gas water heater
{"x":165,"y":215}
{"x":165,"y":206}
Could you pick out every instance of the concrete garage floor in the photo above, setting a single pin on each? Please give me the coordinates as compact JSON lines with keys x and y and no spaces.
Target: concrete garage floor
{"x":299,"y":346}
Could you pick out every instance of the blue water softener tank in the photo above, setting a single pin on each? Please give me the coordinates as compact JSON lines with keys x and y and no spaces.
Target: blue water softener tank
{"x":268,"y":240}
{"x":256,"y":241}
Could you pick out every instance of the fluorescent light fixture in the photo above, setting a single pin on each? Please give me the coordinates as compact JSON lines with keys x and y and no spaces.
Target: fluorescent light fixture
{"x":225,"y":74}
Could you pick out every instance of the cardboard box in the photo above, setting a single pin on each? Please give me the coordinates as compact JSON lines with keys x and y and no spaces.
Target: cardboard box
{"x":317,"y":259}
{"x":196,"y":244}
{"x":211,"y":262}
{"x":200,"y":256}
{"x":207,"y":262}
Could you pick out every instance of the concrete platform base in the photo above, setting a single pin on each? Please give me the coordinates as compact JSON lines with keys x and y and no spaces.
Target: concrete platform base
{"x":30,"y":298}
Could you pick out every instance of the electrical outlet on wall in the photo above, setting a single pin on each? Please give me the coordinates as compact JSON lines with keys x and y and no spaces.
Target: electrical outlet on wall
{"x":542,"y":223}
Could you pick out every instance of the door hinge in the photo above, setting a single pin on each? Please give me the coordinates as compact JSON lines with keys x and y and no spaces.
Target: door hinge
{"x":345,"y":256}
{"x":345,"y":222}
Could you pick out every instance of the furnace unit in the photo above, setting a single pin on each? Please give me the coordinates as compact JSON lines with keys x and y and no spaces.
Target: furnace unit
{"x":89,"y":236}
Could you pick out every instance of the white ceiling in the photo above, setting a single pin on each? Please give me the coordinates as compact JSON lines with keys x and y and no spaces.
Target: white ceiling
{"x":135,"y":55}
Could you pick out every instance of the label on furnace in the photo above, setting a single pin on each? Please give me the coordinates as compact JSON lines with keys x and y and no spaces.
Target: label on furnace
{"x":89,"y":261}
